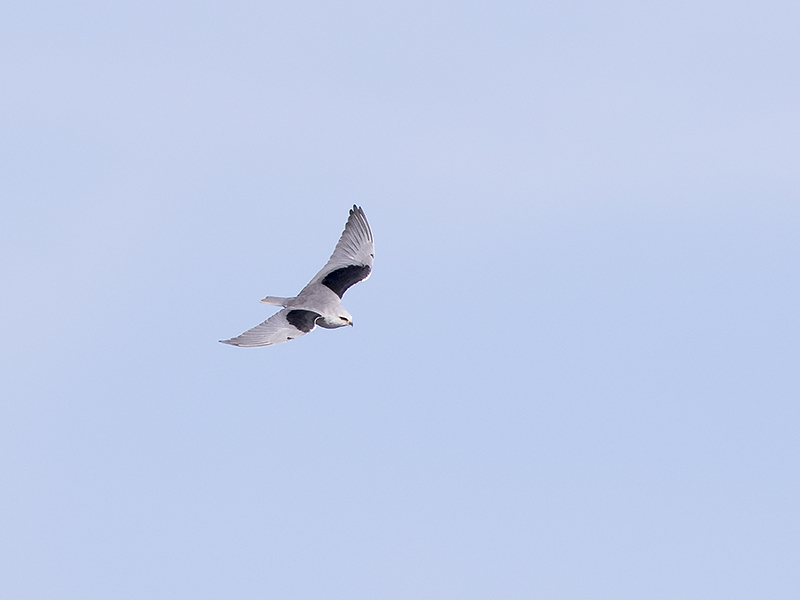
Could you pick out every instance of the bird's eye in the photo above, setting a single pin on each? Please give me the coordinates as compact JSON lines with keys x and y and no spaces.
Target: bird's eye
{"x":343,"y":318}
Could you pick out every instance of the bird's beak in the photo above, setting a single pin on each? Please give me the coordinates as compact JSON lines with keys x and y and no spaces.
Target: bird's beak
{"x":351,"y":323}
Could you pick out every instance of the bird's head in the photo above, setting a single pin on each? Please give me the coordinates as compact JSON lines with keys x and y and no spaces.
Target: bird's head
{"x":345,"y":318}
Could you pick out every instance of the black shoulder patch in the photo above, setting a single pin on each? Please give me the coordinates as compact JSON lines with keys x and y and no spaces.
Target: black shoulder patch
{"x":302,"y":319}
{"x":339,"y":280}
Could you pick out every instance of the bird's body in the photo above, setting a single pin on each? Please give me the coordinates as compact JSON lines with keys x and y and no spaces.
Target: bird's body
{"x":319,"y":303}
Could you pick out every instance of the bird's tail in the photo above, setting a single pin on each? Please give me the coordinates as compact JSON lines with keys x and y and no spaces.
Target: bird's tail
{"x":276,"y":300}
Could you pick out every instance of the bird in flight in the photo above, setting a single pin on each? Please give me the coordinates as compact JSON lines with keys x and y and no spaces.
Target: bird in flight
{"x":319,"y":303}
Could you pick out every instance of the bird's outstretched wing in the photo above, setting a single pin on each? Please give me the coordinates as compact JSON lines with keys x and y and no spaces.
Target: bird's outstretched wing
{"x":352,"y":258}
{"x":280,"y":327}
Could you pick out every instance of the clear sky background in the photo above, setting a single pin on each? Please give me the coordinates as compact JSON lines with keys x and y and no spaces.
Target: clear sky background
{"x":573,"y":373}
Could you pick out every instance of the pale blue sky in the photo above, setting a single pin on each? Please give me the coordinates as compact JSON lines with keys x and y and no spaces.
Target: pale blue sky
{"x":573,"y":373}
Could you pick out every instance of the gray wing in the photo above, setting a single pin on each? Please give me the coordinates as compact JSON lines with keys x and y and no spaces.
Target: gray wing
{"x":280,"y":327}
{"x":352,"y":258}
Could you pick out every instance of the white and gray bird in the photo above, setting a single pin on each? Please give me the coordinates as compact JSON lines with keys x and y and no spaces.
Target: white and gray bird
{"x":319,"y":303}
